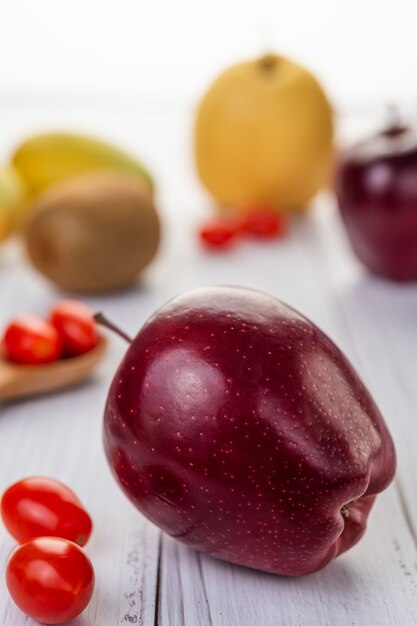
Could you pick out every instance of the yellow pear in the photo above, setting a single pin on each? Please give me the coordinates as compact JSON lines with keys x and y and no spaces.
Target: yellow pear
{"x":264,"y":134}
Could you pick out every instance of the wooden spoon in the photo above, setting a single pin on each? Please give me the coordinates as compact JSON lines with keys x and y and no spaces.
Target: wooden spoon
{"x":18,"y":381}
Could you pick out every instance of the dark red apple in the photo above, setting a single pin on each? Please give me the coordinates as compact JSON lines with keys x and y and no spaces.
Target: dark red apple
{"x":239,"y":428}
{"x":376,"y":186}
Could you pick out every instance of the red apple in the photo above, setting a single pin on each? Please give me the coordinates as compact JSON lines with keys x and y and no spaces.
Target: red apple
{"x":239,"y":428}
{"x":376,"y":186}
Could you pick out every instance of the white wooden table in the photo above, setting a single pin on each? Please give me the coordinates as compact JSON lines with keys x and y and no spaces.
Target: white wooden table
{"x":144,"y":577}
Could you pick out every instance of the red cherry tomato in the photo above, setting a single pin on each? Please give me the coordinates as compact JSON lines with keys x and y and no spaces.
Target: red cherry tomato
{"x":220,"y":233}
{"x":263,"y":222}
{"x":50,"y":579}
{"x":30,"y":340}
{"x":37,"y":506}
{"x":75,"y":325}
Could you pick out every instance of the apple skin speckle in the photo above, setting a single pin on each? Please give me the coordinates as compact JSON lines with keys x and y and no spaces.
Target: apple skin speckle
{"x":238,"y":427}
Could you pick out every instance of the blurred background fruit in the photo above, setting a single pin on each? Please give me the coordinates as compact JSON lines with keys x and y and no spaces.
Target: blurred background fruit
{"x":11,"y":200}
{"x":75,"y":324}
{"x":263,"y":135}
{"x":48,"y":158}
{"x":94,"y":233}
{"x":376,"y":186}
{"x":31,"y":340}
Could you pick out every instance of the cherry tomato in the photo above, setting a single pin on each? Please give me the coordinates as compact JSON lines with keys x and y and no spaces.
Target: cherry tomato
{"x":262,"y":222}
{"x":38,"y":506}
{"x":75,"y":325}
{"x":220,"y":233}
{"x":50,"y":579}
{"x":30,"y":340}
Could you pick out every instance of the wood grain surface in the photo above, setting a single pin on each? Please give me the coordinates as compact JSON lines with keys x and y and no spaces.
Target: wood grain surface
{"x":144,"y":577}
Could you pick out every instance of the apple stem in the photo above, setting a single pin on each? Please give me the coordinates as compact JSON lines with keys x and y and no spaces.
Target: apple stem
{"x":268,"y":62}
{"x":103,"y":321}
{"x":344,"y":511}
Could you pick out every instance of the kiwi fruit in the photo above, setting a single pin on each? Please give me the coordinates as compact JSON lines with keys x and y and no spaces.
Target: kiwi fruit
{"x":93,"y":233}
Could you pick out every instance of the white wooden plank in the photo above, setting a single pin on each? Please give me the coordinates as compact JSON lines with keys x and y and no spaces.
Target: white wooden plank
{"x":182,"y":593}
